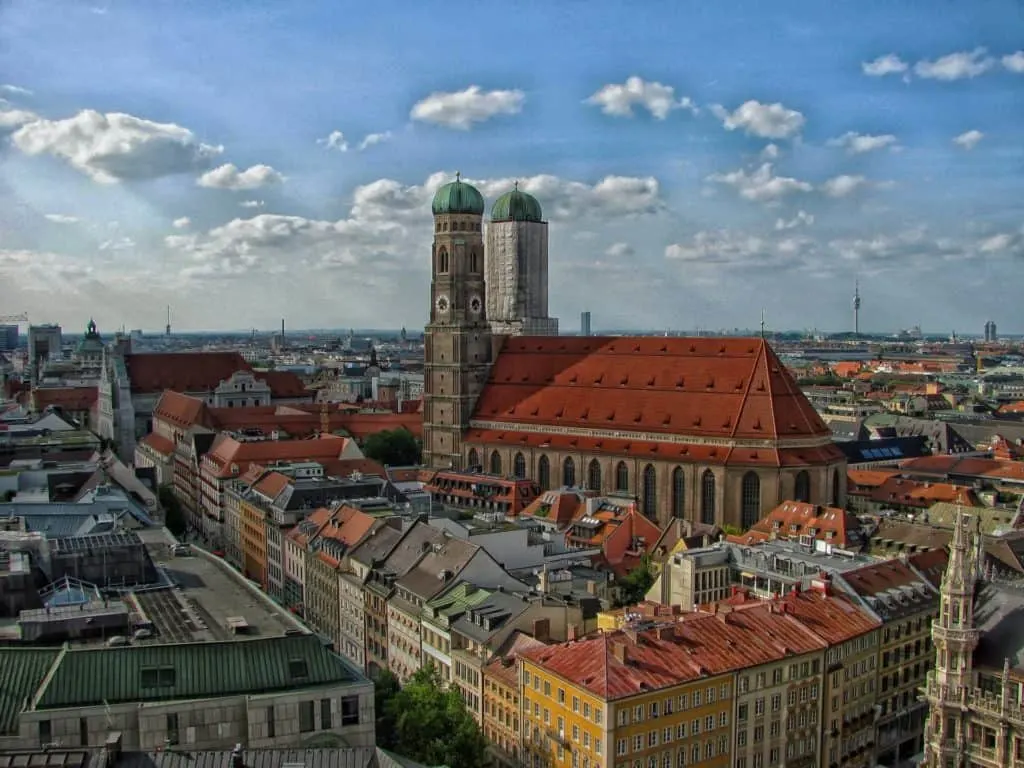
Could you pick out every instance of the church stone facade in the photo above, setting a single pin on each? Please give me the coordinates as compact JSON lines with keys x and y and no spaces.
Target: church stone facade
{"x":710,"y":429}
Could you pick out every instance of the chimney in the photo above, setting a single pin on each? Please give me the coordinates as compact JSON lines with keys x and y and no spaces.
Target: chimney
{"x":619,"y":652}
{"x":542,"y":580}
{"x":237,"y":758}
{"x":572,"y":632}
{"x":112,"y":747}
{"x":542,"y":629}
{"x":666,"y":632}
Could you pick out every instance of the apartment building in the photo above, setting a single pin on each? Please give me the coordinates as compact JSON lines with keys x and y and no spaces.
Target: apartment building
{"x":437,"y":617}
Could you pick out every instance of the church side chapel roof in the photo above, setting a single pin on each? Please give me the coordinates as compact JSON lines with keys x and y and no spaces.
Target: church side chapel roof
{"x":725,"y":388}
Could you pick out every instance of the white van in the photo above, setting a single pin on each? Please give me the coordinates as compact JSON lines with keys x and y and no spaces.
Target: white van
{"x":117,"y":640}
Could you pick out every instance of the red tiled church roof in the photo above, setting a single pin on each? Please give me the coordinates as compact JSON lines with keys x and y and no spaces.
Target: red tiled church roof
{"x":68,"y":398}
{"x":701,"y":387}
{"x":182,"y":371}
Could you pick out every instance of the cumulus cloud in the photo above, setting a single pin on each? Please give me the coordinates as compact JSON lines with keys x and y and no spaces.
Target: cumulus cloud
{"x":116,"y":147}
{"x":889,"y":64}
{"x":955,"y":66}
{"x":969,"y":139}
{"x":843,"y":185}
{"x":761,"y":185}
{"x":767,"y":121}
{"x":252,"y":203}
{"x":714,"y":250}
{"x":1003,"y":243}
{"x":12,"y":117}
{"x":60,"y":218}
{"x":770,"y":152}
{"x":461,"y":109}
{"x":334,"y":140}
{"x":620,"y":251}
{"x":183,"y":223}
{"x":859,"y":143}
{"x":37,"y":270}
{"x":117,"y":244}
{"x":619,"y":99}
{"x":802,"y":219}
{"x":229,"y":176}
{"x":14,"y":90}
{"x":373,"y":139}
{"x":1014,"y":62}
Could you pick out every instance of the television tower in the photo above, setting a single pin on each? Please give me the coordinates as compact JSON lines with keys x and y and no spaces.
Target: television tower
{"x":167,"y":328}
{"x":856,"y":308}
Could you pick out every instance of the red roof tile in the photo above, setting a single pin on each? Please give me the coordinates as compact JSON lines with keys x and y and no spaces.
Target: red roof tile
{"x":182,"y":371}
{"x":68,"y":398}
{"x":556,"y":507}
{"x":797,"y":518}
{"x":227,"y":451}
{"x":284,"y":384}
{"x":159,"y":443}
{"x":900,"y":491}
{"x":708,"y":387}
{"x":970,"y":466}
{"x":181,"y":410}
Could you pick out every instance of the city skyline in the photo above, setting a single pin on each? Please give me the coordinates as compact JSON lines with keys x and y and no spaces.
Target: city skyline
{"x":696,"y":163}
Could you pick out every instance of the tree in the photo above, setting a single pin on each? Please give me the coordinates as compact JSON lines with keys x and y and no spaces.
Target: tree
{"x":393,"y":447}
{"x":385,"y":688}
{"x":433,"y":726}
{"x":634,"y":585}
{"x":174,"y":518}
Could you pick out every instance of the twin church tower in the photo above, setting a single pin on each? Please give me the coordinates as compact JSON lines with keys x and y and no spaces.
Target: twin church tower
{"x":478,"y":294}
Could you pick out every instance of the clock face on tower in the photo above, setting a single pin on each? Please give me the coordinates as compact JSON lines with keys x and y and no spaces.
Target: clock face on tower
{"x":442,"y":304}
{"x":475,"y":305}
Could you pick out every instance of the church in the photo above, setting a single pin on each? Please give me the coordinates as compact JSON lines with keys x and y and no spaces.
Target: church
{"x":709,"y":429}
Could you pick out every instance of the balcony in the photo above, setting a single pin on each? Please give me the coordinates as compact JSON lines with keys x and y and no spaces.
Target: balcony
{"x":991,"y":704}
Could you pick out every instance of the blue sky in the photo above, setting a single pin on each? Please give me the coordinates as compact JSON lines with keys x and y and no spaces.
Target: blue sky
{"x":697,"y":161}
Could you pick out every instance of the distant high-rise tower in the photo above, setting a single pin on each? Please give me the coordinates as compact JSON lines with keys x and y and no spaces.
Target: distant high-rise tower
{"x":990,"y":331}
{"x":856,"y":308}
{"x":516,"y":267}
{"x":167,"y":328}
{"x":584,"y":323}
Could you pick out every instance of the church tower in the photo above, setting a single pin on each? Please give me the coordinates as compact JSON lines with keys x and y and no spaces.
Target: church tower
{"x":457,"y":344}
{"x":517,"y":267}
{"x":955,"y":639}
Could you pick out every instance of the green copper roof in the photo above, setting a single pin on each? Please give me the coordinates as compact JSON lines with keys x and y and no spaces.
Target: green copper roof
{"x":515,"y":205}
{"x":458,"y":197}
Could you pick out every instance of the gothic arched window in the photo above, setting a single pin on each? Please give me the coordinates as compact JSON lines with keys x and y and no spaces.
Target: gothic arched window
{"x":594,"y":475}
{"x":650,"y":499}
{"x":678,"y":493}
{"x":707,"y":497}
{"x":474,"y":458}
{"x":519,"y":467}
{"x":802,"y":486}
{"x":835,"y":488}
{"x":621,"y":477}
{"x":442,"y":261}
{"x":544,"y":473}
{"x":750,"y":506}
{"x":569,"y":472}
{"x":495,"y":463}
{"x":474,"y":261}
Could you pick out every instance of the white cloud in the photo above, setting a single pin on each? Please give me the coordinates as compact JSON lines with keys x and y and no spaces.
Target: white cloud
{"x":762,"y":185}
{"x":955,"y":66}
{"x":1014,"y":62}
{"x":14,"y":90}
{"x":11,"y":117}
{"x":116,"y":147}
{"x":37,"y":270}
{"x":183,"y":223}
{"x":60,"y":218}
{"x":844,"y":185}
{"x":711,"y":251}
{"x":461,"y":109}
{"x":770,"y":152}
{"x":335,"y":140}
{"x":252,"y":203}
{"x":768,"y":121}
{"x":229,"y":176}
{"x":1002,"y":243}
{"x":802,"y":219}
{"x":859,"y":143}
{"x":889,"y":64}
{"x":969,"y":139}
{"x":619,"y":99}
{"x":373,"y":139}
{"x":620,"y":251}
{"x":117,"y":244}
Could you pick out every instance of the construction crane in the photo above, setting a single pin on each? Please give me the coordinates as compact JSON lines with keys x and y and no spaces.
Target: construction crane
{"x":22,"y":318}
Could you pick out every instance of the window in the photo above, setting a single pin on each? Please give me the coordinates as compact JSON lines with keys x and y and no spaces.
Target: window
{"x":325,"y":715}
{"x":306,"y":722}
{"x":568,"y":472}
{"x":594,"y":475}
{"x":519,"y":467}
{"x":157,"y":677}
{"x":474,"y":261}
{"x":678,"y":493}
{"x":271,"y":725}
{"x":495,"y":463}
{"x":83,"y":731}
{"x":350,"y":710}
{"x":297,"y":668}
{"x":442,"y":261}
{"x":707,"y":504}
{"x":621,"y":477}
{"x":835,"y":489}
{"x":172,"y":728}
{"x":750,"y":511}
{"x":650,"y":498}
{"x":44,"y":731}
{"x":474,"y":458}
{"x":802,"y":486}
{"x":544,"y":473}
